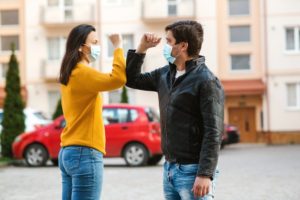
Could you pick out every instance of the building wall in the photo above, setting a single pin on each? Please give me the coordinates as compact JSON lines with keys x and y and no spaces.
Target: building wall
{"x":283,"y":66}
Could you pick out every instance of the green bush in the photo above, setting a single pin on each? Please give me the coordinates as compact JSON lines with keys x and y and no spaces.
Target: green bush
{"x":13,"y":122}
{"x":124,"y":96}
{"x":58,"y":112}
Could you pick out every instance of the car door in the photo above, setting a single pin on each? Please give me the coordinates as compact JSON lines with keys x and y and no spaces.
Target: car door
{"x":118,"y":129}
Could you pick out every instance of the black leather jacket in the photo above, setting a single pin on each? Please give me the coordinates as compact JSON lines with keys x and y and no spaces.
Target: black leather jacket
{"x":191,"y":110}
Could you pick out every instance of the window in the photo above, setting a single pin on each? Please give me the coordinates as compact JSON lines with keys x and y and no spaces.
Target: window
{"x":239,"y":33}
{"x":53,"y":2}
{"x":9,"y":17}
{"x":116,"y":115}
{"x":56,"y":47}
{"x":68,"y":4}
{"x":239,"y":7}
{"x":7,"y":41}
{"x":292,"y":38}
{"x":53,"y":48}
{"x":127,"y":44}
{"x":293,"y":95}
{"x":172,"y":7}
{"x":240,"y":62}
{"x":3,"y":70}
{"x":151,"y":115}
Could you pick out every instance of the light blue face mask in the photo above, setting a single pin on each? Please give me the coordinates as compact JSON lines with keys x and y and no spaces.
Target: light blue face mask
{"x":167,"y":53}
{"x":95,"y":52}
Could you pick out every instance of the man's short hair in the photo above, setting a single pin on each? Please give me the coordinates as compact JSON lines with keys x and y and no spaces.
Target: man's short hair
{"x":190,"y":32}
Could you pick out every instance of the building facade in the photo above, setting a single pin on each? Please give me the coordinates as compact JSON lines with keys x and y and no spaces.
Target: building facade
{"x":253,"y":46}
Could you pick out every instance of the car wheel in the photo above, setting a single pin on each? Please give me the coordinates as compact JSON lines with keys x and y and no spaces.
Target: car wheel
{"x":154,"y":160}
{"x":136,"y":155}
{"x":36,"y":155}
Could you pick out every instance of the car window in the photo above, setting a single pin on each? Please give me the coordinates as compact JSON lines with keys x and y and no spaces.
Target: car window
{"x":133,"y":115}
{"x":116,"y":115}
{"x":152,"y":115}
{"x":40,"y":115}
{"x":63,"y":123}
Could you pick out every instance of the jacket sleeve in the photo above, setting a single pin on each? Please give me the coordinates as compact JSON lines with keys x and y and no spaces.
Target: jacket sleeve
{"x":212,"y":113}
{"x":135,"y":79}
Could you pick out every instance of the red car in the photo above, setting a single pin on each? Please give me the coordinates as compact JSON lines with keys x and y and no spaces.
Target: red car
{"x":132,"y":132}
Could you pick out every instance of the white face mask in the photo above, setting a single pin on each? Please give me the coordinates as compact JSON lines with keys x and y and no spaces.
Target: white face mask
{"x":167,"y":51}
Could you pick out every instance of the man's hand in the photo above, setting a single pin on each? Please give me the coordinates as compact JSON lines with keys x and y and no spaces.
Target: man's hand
{"x":148,"y":40}
{"x":201,"y":186}
{"x":116,"y":40}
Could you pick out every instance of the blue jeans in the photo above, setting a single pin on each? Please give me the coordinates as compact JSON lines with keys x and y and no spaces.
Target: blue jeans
{"x":82,"y":173}
{"x":178,"y":181}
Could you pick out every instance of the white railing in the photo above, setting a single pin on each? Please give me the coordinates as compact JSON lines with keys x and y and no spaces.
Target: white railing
{"x":72,"y":14}
{"x":159,"y":9}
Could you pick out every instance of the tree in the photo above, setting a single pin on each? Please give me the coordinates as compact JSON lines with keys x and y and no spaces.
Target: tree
{"x":124,"y":96}
{"x":13,"y":122}
{"x":58,"y":112}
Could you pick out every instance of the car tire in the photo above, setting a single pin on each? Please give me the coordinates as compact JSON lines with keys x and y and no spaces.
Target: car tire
{"x":154,"y":160}
{"x":36,"y":155}
{"x":135,"y":155}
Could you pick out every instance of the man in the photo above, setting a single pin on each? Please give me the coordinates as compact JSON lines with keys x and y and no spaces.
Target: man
{"x":191,"y":101}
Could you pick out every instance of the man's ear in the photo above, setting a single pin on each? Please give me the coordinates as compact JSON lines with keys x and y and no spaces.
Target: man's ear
{"x":185,"y":46}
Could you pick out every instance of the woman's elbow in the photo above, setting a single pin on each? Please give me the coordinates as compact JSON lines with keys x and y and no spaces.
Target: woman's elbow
{"x":122,"y":81}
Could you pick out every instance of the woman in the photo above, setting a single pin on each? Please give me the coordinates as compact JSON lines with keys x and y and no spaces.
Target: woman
{"x":83,"y":138}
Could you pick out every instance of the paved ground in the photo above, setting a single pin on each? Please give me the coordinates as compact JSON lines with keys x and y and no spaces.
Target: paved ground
{"x":248,"y":172}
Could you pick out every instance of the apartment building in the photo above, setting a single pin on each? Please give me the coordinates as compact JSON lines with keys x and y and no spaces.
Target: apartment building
{"x":282,"y":31}
{"x":11,"y":32}
{"x":251,"y":45}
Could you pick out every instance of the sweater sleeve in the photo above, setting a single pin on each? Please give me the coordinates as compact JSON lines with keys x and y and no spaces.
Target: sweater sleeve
{"x":96,"y":81}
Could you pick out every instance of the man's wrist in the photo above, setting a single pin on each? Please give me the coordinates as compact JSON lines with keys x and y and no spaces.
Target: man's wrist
{"x":141,"y":49}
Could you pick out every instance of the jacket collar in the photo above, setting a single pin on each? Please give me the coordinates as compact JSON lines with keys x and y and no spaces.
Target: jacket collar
{"x":190,"y":64}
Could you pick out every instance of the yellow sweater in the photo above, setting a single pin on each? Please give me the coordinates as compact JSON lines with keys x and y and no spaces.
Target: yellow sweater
{"x":82,"y":103}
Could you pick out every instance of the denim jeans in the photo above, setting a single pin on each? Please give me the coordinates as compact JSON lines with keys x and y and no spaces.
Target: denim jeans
{"x":178,"y":181}
{"x":82,"y":173}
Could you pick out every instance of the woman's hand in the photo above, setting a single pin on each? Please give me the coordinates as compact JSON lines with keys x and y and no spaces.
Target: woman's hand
{"x":148,"y":40}
{"x":116,"y":40}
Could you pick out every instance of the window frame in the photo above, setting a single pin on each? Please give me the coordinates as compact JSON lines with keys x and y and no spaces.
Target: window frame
{"x":296,"y":50}
{"x":297,"y":107}
{"x":10,"y":25}
{"x":241,"y":70}
{"x":239,"y":42}
{"x":238,"y":15}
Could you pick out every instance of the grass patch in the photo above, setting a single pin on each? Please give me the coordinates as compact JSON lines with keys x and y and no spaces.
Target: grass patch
{"x":5,"y":160}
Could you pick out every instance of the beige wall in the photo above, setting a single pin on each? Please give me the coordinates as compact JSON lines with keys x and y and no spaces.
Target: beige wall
{"x":225,"y":48}
{"x":14,"y":30}
{"x":283,"y":66}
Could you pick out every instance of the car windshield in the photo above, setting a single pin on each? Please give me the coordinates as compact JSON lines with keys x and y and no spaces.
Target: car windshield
{"x":40,"y":115}
{"x":152,"y":115}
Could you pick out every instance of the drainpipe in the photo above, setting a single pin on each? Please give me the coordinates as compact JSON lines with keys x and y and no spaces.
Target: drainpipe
{"x":269,"y":139}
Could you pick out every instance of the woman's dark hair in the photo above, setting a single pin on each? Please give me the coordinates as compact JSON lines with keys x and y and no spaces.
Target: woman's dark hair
{"x":76,"y":38}
{"x":190,"y":32}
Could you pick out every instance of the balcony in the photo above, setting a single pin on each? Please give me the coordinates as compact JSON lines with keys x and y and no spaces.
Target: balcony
{"x":50,"y":70}
{"x":55,"y":16}
{"x":157,"y":11}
